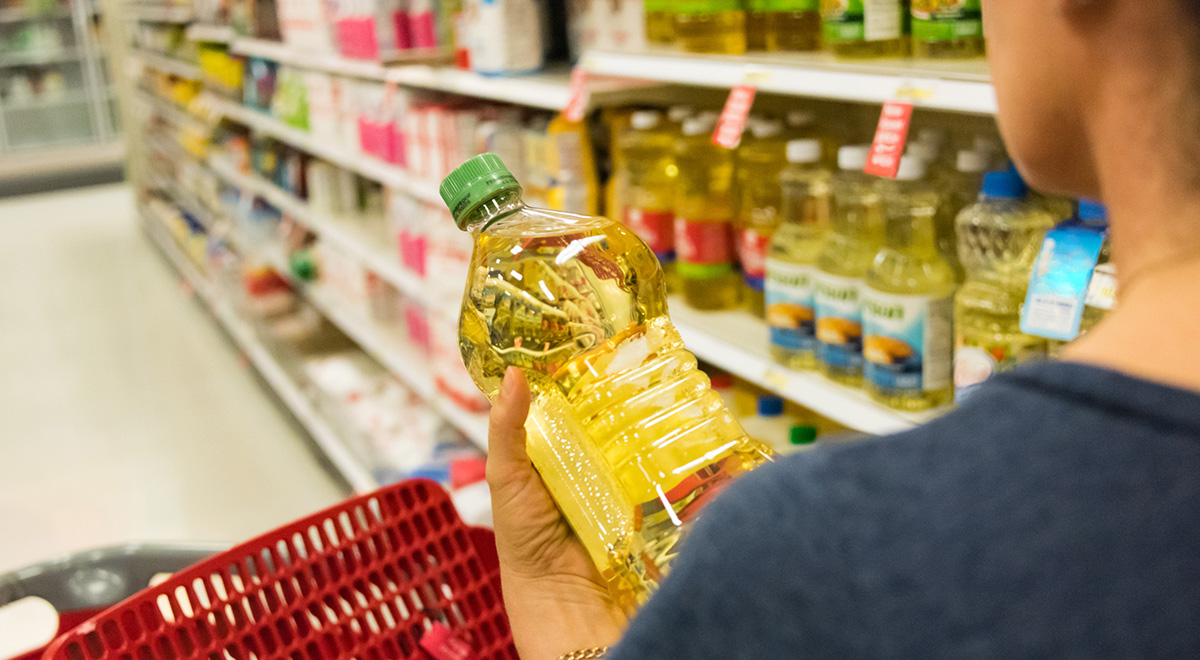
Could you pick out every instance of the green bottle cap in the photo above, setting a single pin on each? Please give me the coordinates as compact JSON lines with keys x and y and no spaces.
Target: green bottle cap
{"x":803,"y":435}
{"x":474,"y":182}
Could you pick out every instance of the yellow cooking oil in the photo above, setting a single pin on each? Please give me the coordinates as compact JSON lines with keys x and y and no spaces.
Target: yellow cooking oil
{"x":756,"y":24}
{"x":793,"y":25}
{"x":908,"y":301}
{"x":660,"y":22}
{"x":999,"y":238}
{"x":760,"y":158}
{"x":792,"y":259}
{"x":856,"y":238}
{"x":710,"y":26}
{"x":704,"y":214}
{"x":864,"y":28}
{"x":947,"y":29}
{"x":645,"y":168}
{"x":624,"y":429}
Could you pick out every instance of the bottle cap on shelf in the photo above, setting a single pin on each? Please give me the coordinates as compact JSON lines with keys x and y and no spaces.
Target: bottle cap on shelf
{"x":799,"y":118}
{"x":474,"y":182}
{"x":803,"y":435}
{"x":804,"y":151}
{"x":1090,"y":211}
{"x":1005,"y":184}
{"x":923,"y":151}
{"x":677,"y":113}
{"x":701,"y":123}
{"x":762,"y":127}
{"x":644,"y":119}
{"x":853,"y":157}
{"x":934,"y":137}
{"x":971,"y":161}
{"x":770,"y":406}
{"x":911,"y":169}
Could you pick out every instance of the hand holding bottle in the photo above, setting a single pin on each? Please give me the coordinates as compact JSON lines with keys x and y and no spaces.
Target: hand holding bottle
{"x":555,"y":598}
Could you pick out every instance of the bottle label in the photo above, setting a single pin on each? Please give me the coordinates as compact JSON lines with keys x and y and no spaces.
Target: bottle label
{"x":752,"y":251}
{"x":657,"y":228}
{"x":862,"y":20}
{"x":975,"y":363}
{"x":704,"y":248}
{"x":706,"y":6}
{"x":1102,"y":290}
{"x":1054,"y":304}
{"x":791,"y":310}
{"x":946,"y":20}
{"x":839,"y":321}
{"x":908,"y":342}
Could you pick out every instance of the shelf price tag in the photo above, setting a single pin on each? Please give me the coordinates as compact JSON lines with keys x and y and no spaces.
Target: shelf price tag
{"x":775,"y":378}
{"x":733,"y":118}
{"x":577,"y":95}
{"x":890,"y":136}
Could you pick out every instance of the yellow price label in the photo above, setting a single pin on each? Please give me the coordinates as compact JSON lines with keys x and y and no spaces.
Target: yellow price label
{"x":775,"y":378}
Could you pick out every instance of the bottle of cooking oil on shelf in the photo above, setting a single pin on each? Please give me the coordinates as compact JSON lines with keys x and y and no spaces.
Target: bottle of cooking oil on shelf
{"x":793,"y":25}
{"x":947,"y":28}
{"x":624,"y":429}
{"x":760,"y":159}
{"x":999,"y":238}
{"x":710,"y":26}
{"x":756,"y":24}
{"x":960,"y":188}
{"x":803,"y":125}
{"x":792,"y":259}
{"x":704,"y":214}
{"x":908,"y":301}
{"x":848,"y":253}
{"x":864,"y":28}
{"x":660,"y":22}
{"x":1101,"y":292}
{"x":647,"y":175}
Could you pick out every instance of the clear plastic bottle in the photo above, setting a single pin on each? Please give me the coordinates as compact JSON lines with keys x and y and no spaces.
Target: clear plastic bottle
{"x":756,"y":24}
{"x":1102,"y":288}
{"x":704,"y":214}
{"x":960,"y":188}
{"x":710,"y":26}
{"x":864,"y":28}
{"x":998,"y":241}
{"x":908,"y":301}
{"x":660,"y":22}
{"x":647,"y":175}
{"x":623,"y":429}
{"x":760,"y":159}
{"x":793,"y":25}
{"x":792,"y":260}
{"x":848,"y":253}
{"x":949,"y":29}
{"x":803,"y":125}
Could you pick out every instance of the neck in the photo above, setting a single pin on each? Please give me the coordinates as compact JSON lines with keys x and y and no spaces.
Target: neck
{"x":492,"y":209}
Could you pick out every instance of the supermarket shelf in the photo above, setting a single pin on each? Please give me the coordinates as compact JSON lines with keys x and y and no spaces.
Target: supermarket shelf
{"x":376,"y":170}
{"x":19,"y":14}
{"x":70,"y":97}
{"x":378,"y":260}
{"x":39,"y":57}
{"x":221,"y":34}
{"x":162,"y":12}
{"x":168,"y":64}
{"x":62,"y":159}
{"x":265,"y":363}
{"x":173,"y":113}
{"x":737,"y":342}
{"x":955,"y":86}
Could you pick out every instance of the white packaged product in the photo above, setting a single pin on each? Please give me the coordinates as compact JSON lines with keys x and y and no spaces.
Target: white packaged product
{"x":506,"y":36}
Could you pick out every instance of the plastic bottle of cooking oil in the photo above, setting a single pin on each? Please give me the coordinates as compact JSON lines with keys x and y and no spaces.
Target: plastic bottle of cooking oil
{"x":864,"y":28}
{"x":710,"y":26}
{"x":760,"y":159}
{"x":756,"y":24}
{"x":660,"y":22}
{"x":793,"y":25}
{"x":704,"y":214}
{"x":803,"y":125}
{"x":947,"y":28}
{"x":960,"y":188}
{"x":647,"y":173}
{"x":792,"y":260}
{"x":1102,"y":288}
{"x":908,"y":301}
{"x":998,"y":241}
{"x":624,"y":429}
{"x":848,"y":253}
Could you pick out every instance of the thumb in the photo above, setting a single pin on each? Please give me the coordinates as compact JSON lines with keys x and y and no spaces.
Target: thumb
{"x":506,"y":428}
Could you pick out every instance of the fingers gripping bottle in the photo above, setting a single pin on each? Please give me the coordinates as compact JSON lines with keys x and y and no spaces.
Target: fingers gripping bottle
{"x":624,"y":429}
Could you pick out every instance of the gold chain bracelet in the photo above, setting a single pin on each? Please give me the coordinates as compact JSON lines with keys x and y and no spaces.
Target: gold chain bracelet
{"x":586,"y":654}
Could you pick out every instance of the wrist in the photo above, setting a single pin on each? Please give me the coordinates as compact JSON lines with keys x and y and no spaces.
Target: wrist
{"x":554,"y":615}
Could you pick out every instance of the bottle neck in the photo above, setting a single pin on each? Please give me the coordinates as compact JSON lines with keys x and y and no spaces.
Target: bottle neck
{"x":491,"y":210}
{"x":914,"y":232}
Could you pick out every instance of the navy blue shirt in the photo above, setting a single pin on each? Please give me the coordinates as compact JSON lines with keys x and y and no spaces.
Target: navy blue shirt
{"x":1054,"y":515}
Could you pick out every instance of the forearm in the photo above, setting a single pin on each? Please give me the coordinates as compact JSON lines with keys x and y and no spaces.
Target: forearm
{"x":551,"y":617}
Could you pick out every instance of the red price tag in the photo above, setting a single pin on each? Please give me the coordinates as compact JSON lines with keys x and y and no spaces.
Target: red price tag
{"x":733,"y":118}
{"x":890,"y":136}
{"x":442,"y":644}
{"x":577,"y":96}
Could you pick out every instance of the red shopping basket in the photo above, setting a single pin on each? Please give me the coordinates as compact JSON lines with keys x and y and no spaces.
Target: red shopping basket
{"x":381,"y":576}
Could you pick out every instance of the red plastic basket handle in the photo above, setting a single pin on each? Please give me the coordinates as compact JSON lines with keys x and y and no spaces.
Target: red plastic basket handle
{"x":365,"y":579}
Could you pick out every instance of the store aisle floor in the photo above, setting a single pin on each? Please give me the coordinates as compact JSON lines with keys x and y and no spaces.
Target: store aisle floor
{"x":125,"y":414}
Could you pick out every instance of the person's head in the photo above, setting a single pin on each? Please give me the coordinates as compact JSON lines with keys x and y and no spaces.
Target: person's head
{"x":1080,"y":83}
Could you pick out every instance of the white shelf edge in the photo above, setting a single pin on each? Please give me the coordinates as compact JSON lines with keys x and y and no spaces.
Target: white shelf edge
{"x":39,"y":58}
{"x":168,"y":65}
{"x":343,"y":459}
{"x":749,"y":359}
{"x":161,"y":12}
{"x":218,"y":34}
{"x":934,"y":85}
{"x":376,"y":170}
